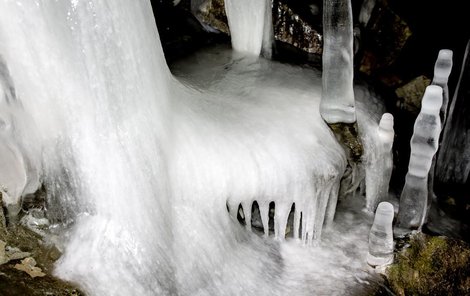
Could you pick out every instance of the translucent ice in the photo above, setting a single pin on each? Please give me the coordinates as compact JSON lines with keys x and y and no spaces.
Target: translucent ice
{"x":337,"y":103}
{"x":442,"y":70}
{"x":453,"y":163}
{"x":381,"y":236}
{"x":379,"y":166}
{"x":424,"y":144}
{"x":250,"y":23}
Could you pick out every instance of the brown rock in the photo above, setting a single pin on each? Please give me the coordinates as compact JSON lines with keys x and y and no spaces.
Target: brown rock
{"x":412,"y":93}
{"x":28,"y":265}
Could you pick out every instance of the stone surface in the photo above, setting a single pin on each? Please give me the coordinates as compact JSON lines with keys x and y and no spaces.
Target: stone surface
{"x":411,"y":93}
{"x":294,"y":29}
{"x":431,"y":266}
{"x":385,"y":38}
{"x":28,"y":265}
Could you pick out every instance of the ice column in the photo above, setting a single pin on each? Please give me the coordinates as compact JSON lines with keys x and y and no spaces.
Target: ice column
{"x":424,"y":144}
{"x":378,"y":178}
{"x":250,"y":23}
{"x":381,"y":236}
{"x":442,"y":70}
{"x":453,"y":163}
{"x":337,"y":102}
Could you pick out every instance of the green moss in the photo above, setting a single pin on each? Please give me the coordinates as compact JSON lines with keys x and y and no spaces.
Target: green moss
{"x":431,"y":266}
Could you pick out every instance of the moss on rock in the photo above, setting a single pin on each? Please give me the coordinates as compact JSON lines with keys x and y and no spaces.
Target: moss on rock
{"x":431,"y":266}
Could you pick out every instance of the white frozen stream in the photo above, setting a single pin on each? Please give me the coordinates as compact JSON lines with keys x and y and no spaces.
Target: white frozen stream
{"x":143,"y":165}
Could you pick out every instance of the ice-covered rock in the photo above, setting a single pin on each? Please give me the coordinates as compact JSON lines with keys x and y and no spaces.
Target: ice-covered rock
{"x":381,"y":236}
{"x":424,"y":144}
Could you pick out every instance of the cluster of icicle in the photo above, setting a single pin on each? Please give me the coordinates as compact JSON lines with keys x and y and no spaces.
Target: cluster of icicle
{"x":416,"y":197}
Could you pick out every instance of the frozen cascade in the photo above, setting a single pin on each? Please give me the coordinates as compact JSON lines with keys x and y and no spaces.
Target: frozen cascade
{"x":250,"y":23}
{"x":141,"y":166}
{"x":424,"y":144}
{"x":337,"y":104}
{"x":19,"y":175}
{"x":453,"y":163}
{"x":381,"y":236}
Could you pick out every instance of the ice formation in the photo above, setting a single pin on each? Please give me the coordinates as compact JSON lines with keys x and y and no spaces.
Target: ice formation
{"x":250,"y":23}
{"x":337,"y":104}
{"x":381,"y":236}
{"x":379,"y":165}
{"x":18,"y":175}
{"x":424,"y":144}
{"x":140,"y":166}
{"x":442,"y":69}
{"x":453,"y":163}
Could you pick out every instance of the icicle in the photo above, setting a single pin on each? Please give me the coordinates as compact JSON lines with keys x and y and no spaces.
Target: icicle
{"x":442,"y":70}
{"x":337,"y":101}
{"x":250,"y":23}
{"x":246,"y":205}
{"x":380,"y":171}
{"x":280,"y":219}
{"x":424,"y":144}
{"x":297,"y":216}
{"x":332,"y":202}
{"x":453,"y":164}
{"x":381,"y":236}
{"x":264,"y":213}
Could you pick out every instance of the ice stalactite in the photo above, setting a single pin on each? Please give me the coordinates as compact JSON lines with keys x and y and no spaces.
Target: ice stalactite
{"x":250,"y":23}
{"x":337,"y":102}
{"x":442,"y":70}
{"x":453,"y":163}
{"x":424,"y":144}
{"x":379,"y":166}
{"x":381,"y":236}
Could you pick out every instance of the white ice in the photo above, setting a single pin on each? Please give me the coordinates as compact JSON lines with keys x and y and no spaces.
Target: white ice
{"x":140,"y":165}
{"x":381,"y":236}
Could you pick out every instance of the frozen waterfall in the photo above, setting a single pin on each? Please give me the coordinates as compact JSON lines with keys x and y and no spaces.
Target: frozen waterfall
{"x":140,"y":165}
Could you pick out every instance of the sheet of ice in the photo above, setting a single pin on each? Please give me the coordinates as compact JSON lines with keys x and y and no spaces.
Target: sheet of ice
{"x":424,"y":144}
{"x":18,"y":174}
{"x":337,"y":104}
{"x":453,"y":164}
{"x":141,"y":167}
{"x":250,"y":23}
{"x":381,"y":236}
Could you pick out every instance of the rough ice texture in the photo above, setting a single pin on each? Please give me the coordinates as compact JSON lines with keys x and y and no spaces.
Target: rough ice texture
{"x":381,"y":236}
{"x":453,"y":164}
{"x":337,"y":103}
{"x":424,"y":144}
{"x":144,"y":165}
{"x":18,"y":173}
{"x":250,"y":23}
